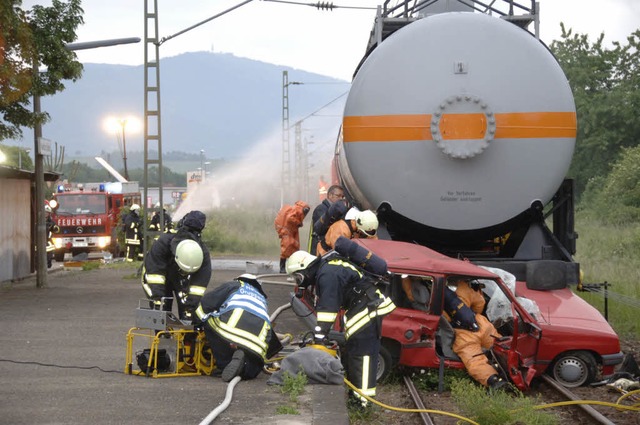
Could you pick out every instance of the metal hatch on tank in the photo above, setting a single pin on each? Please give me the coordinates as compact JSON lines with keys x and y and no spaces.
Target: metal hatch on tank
{"x":460,"y":123}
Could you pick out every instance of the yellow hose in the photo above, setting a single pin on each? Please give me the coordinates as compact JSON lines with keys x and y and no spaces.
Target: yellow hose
{"x":402,"y":409}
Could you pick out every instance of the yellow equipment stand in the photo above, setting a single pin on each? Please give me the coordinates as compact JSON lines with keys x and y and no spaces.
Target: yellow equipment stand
{"x":175,"y":348}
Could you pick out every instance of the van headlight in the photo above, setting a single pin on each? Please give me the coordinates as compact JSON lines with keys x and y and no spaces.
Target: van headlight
{"x":104,"y":241}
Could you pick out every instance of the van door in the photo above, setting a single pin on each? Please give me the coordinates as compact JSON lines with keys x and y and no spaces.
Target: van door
{"x":516,"y":350}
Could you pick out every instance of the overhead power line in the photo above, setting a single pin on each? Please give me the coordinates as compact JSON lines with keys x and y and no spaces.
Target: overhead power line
{"x":322,"y":5}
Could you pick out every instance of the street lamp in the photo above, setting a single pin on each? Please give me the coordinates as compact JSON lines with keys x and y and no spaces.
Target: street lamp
{"x":119,"y":126}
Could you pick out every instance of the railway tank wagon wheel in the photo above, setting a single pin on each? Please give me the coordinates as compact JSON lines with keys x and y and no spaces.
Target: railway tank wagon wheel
{"x":574,"y":369}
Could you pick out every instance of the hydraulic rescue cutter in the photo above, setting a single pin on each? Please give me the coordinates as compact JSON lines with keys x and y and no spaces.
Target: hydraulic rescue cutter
{"x":166,"y":346}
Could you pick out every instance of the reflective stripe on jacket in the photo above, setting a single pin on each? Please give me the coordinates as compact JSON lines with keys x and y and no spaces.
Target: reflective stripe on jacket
{"x":242,"y":318}
{"x":340,"y":285}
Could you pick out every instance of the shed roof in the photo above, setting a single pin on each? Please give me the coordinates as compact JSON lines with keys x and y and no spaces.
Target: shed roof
{"x":7,"y":172}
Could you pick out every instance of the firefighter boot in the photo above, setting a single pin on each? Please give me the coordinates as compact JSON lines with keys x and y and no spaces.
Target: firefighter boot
{"x":235,"y":366}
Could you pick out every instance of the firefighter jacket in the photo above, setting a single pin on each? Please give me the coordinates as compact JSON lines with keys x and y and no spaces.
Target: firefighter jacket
{"x":342,"y":285}
{"x":318,"y":212}
{"x":132,"y":223}
{"x":237,"y":311}
{"x":52,"y":228}
{"x":346,"y":228}
{"x":161,"y":275}
{"x":287,"y":224}
{"x":155,"y":222}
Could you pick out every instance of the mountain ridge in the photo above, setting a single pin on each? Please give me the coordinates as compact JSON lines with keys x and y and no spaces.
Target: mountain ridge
{"x":215,"y":102}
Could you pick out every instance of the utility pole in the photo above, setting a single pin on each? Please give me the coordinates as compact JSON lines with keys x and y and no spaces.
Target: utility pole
{"x":41,"y":231}
{"x":286,"y":156}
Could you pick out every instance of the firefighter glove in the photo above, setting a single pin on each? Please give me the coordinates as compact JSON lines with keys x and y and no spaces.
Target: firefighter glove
{"x":191,"y":302}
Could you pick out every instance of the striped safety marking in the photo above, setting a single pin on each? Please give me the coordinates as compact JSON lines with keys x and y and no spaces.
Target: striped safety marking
{"x":397,"y":128}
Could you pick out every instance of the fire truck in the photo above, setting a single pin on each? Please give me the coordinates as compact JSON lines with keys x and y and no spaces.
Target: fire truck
{"x":88,"y":216}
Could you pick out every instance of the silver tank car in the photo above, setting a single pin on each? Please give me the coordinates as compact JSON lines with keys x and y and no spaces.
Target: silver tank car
{"x":460,"y":123}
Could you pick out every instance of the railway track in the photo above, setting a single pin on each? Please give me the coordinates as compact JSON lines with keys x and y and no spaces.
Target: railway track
{"x":547,"y":390}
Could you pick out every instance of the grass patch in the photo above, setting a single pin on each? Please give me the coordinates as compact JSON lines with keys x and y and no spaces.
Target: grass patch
{"x":608,"y":252}
{"x":498,"y":407}
{"x":241,"y":231}
{"x":287,"y":410}
{"x":294,"y":386}
{"x":90,"y":265}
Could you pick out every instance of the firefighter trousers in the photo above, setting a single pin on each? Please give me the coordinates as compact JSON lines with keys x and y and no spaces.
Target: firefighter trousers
{"x":223,"y":352}
{"x":360,"y":360}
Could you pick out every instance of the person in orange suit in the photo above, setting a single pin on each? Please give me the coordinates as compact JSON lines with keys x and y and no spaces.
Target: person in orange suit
{"x":355,"y":224}
{"x":287,"y":223}
{"x":474,"y":333}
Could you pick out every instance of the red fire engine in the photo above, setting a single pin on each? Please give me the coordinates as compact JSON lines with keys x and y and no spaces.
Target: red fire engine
{"x":88,"y":216}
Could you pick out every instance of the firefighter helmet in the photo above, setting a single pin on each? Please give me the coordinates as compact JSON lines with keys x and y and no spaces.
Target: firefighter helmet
{"x":47,"y":208}
{"x":189,"y":256}
{"x":134,"y":207}
{"x":299,"y":260}
{"x":367,"y":222}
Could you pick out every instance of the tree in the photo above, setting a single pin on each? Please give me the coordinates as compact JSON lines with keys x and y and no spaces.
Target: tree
{"x":36,"y":37}
{"x":615,"y":199}
{"x":17,"y":157}
{"x":606,"y":89}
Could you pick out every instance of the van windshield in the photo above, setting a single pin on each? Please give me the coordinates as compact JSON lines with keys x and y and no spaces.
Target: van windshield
{"x":81,"y":204}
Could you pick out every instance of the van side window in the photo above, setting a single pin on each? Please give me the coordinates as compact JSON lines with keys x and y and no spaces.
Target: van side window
{"x":417,"y":291}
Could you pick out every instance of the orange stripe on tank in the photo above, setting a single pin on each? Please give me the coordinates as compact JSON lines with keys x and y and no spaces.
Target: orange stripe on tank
{"x":524,"y":125}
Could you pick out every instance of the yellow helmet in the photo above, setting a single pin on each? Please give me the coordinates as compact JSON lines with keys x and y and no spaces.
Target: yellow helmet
{"x":189,"y":256}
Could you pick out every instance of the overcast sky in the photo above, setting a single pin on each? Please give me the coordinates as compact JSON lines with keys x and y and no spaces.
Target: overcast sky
{"x":302,"y":37}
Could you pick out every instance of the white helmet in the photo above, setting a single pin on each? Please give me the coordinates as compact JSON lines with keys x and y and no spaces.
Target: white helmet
{"x":367,"y":222}
{"x":299,"y":260}
{"x":189,"y":256}
{"x":47,"y":208}
{"x":134,"y":207}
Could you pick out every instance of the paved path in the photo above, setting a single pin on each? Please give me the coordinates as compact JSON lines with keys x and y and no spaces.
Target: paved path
{"x":63,"y":353}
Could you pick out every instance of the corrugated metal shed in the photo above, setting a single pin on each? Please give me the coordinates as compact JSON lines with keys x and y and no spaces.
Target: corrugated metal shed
{"x":17,"y":222}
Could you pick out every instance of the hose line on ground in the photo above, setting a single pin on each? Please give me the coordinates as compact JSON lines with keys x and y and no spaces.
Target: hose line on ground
{"x":225,"y":403}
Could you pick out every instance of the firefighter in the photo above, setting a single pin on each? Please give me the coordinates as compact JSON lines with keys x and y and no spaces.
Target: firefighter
{"x":341,"y":285}
{"x":132,"y":234}
{"x":155,"y":221}
{"x":356,"y":224}
{"x":287,"y":222}
{"x":52,"y":228}
{"x":178,"y":265}
{"x":474,"y":333}
{"x":320,"y":224}
{"x":238,"y":329}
